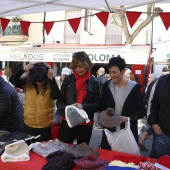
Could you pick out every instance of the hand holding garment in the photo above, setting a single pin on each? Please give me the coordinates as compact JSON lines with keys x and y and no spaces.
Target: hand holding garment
{"x":109,"y":118}
{"x":75,"y":116}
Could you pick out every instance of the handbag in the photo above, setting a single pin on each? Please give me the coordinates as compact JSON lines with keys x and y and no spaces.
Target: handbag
{"x":123,"y":140}
{"x":55,"y":129}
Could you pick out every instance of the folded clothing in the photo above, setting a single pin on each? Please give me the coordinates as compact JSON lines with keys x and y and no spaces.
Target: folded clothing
{"x":119,"y":168}
{"x":147,"y":165}
{"x":81,"y":150}
{"x":11,"y":136}
{"x":45,"y":148}
{"x":17,"y":151}
{"x":59,"y":160}
{"x":130,"y":158}
{"x":120,"y":165}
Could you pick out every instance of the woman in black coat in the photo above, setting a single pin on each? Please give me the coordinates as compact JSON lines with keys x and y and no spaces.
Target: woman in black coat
{"x":81,"y":90}
{"x":124,"y":96}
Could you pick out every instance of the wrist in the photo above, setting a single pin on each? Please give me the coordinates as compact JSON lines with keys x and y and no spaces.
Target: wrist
{"x":129,"y":119}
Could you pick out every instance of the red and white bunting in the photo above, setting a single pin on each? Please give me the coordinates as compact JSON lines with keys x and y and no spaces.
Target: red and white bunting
{"x":4,"y":23}
{"x":103,"y":17}
{"x":25,"y":25}
{"x":74,"y":23}
{"x":48,"y":26}
{"x":132,"y":17}
{"x":165,"y":19}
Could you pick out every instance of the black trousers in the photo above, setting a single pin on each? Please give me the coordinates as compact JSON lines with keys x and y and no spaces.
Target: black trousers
{"x":81,"y":132}
{"x":44,"y":132}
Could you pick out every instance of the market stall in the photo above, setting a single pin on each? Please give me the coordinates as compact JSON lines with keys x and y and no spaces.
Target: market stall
{"x":36,"y":162}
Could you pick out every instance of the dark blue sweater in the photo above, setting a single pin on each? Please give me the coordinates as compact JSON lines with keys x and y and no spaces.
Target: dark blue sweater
{"x":11,"y":109}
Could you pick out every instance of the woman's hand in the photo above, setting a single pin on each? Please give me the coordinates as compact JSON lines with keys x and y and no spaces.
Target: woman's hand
{"x":29,"y":66}
{"x":156,"y":128}
{"x":125,"y":119}
{"x":78,"y":105}
{"x":50,"y":74}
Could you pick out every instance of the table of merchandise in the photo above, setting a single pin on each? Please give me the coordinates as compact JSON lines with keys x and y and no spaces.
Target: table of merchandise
{"x":36,"y":162}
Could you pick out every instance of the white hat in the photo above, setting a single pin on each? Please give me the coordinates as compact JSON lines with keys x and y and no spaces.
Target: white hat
{"x":66,"y":71}
{"x":75,"y":116}
{"x":17,"y":151}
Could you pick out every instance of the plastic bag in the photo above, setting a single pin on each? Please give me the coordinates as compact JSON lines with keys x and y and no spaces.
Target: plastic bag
{"x":123,"y":140}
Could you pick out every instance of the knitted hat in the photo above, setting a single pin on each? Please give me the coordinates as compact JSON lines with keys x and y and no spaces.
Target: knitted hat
{"x":90,"y":161}
{"x":17,"y":151}
{"x":75,"y":116}
{"x":59,"y":160}
{"x":38,"y":72}
{"x":81,"y":150}
{"x":109,"y":118}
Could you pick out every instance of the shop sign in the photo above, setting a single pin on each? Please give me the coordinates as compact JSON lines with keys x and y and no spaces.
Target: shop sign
{"x":37,"y":57}
{"x":96,"y":57}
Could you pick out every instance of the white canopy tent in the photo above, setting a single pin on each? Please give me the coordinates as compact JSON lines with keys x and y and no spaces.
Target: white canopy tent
{"x":19,"y":7}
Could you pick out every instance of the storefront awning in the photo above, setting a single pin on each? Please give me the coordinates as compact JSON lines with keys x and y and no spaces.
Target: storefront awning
{"x":63,"y":53}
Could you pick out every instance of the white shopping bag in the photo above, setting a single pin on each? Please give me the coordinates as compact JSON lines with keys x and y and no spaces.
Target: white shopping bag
{"x":123,"y":140}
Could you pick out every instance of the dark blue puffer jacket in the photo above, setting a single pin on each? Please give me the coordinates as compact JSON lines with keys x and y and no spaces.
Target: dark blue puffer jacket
{"x":11,"y":109}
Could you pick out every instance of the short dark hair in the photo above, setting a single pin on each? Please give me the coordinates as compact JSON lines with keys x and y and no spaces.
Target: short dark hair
{"x":117,"y":61}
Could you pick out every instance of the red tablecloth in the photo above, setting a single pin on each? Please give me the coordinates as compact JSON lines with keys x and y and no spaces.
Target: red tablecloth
{"x":36,"y":162}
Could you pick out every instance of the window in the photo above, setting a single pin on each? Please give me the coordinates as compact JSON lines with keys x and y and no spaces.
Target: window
{"x":69,"y":35}
{"x":113,"y":32}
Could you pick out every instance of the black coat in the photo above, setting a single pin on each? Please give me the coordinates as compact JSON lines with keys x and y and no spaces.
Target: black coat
{"x":102,"y":79}
{"x":11,"y":109}
{"x":133,"y":107}
{"x":91,"y":103}
{"x":160,"y":105}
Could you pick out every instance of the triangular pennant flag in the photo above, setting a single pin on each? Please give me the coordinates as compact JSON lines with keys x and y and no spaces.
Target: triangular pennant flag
{"x":132,"y":17}
{"x":74,"y":23}
{"x":25,"y":25}
{"x":4,"y":23}
{"x":165,"y":19}
{"x":103,"y":17}
{"x":48,"y":26}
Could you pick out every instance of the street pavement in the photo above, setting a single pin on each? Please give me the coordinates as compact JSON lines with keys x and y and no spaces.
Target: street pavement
{"x":97,"y":135}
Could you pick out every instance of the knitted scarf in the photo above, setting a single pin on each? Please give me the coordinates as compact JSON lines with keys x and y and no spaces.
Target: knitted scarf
{"x":81,"y":83}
